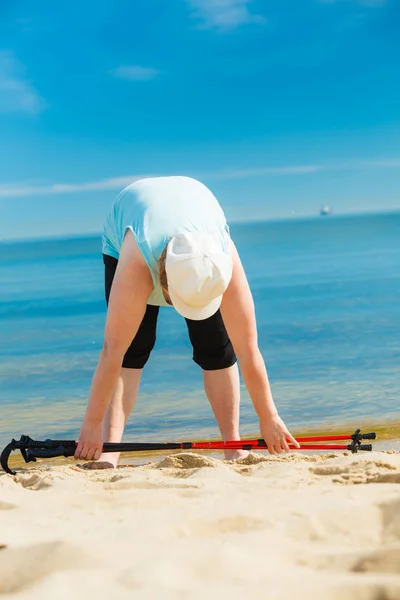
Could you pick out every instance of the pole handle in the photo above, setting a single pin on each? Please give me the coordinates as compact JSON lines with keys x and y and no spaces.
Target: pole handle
{"x":368,"y":436}
{"x":5,"y":455}
{"x":34,"y":453}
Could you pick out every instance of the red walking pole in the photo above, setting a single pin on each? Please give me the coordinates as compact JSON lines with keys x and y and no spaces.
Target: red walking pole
{"x":33,"y":449}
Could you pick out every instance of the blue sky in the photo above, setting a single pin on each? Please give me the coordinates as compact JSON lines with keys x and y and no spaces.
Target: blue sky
{"x":278,"y":106}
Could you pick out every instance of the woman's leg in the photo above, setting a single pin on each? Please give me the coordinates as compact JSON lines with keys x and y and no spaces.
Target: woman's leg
{"x":126,"y":391}
{"x":213,"y":351}
{"x":121,"y":406}
{"x":124,"y":397}
{"x":223,"y":392}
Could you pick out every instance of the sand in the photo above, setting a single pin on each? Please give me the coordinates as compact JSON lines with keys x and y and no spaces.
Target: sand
{"x":323,"y":527}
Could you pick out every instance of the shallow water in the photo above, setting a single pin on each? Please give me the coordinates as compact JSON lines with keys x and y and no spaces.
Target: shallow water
{"x":327,"y":298}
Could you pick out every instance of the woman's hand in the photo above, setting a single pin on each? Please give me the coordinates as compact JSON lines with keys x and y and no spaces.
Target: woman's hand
{"x":90,"y":440}
{"x":276,"y":435}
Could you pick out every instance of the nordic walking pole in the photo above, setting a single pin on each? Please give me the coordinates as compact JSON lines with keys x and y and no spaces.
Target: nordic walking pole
{"x":32,"y":449}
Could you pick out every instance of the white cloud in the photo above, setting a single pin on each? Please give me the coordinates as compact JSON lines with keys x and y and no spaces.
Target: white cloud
{"x":16,"y":92}
{"x":259,"y":172}
{"x":362,"y":2}
{"x":20,"y":190}
{"x":390,"y":163}
{"x":224,"y":14}
{"x":15,"y":190}
{"x":135,"y":73}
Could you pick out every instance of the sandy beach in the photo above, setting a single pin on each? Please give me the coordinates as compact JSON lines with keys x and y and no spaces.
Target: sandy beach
{"x":189,"y":525}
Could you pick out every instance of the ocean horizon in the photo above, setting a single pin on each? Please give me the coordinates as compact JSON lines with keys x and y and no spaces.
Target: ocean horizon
{"x":290,"y":218}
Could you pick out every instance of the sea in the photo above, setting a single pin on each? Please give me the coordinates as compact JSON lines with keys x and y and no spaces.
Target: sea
{"x":327,"y":297}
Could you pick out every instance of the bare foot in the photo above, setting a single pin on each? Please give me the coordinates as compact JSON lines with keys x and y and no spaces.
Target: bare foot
{"x":107,"y":460}
{"x":98,"y":464}
{"x":235,"y":454}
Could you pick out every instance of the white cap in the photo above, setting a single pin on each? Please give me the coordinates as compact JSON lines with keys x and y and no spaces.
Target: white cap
{"x":198,"y":273}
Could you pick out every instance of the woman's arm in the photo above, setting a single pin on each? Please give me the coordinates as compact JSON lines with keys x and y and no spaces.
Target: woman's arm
{"x":131,"y":288}
{"x":238,"y":313}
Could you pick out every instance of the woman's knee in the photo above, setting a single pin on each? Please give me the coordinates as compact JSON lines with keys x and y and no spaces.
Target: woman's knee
{"x":213,"y":359}
{"x":212,"y":348}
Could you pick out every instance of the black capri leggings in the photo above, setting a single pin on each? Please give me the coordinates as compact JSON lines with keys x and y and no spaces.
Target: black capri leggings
{"x":212,"y":348}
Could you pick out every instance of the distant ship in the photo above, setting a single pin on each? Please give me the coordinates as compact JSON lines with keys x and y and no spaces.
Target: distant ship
{"x":325,"y":210}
